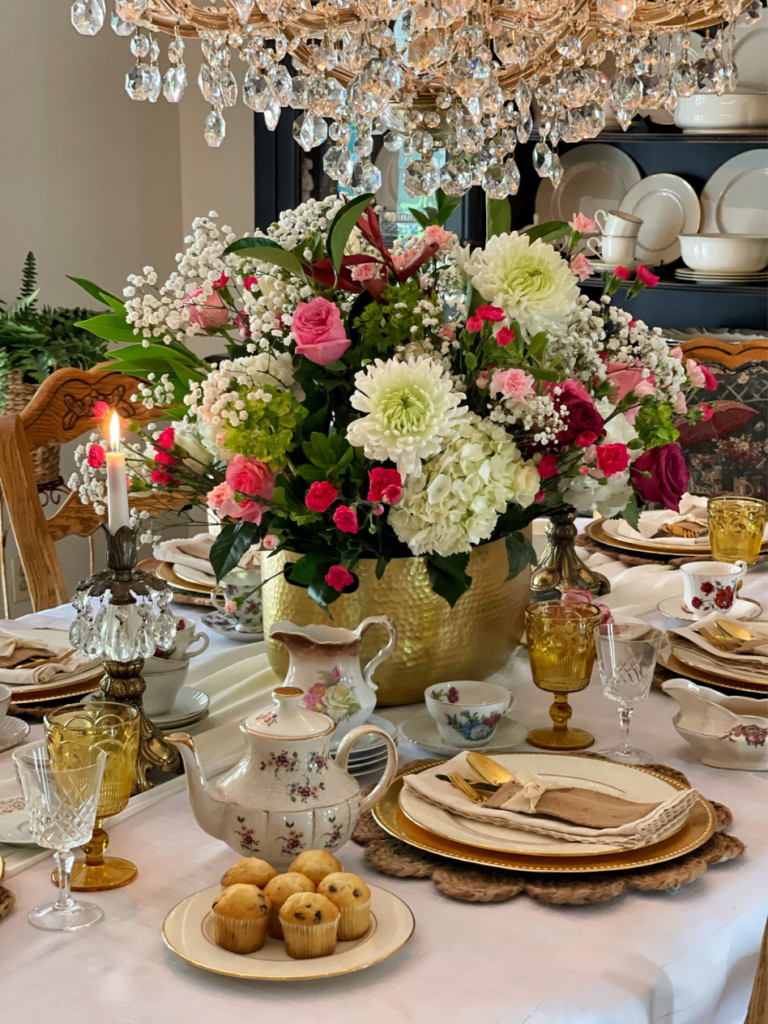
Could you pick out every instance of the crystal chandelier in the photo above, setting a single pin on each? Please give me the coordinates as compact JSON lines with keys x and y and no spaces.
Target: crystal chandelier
{"x":452,"y":82}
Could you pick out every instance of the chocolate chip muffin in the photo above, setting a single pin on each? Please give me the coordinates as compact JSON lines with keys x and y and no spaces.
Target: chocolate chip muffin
{"x":352,"y":896}
{"x":310,"y":925}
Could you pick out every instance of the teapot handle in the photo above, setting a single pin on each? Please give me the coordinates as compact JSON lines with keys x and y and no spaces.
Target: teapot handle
{"x":384,"y":653}
{"x":389,"y":772}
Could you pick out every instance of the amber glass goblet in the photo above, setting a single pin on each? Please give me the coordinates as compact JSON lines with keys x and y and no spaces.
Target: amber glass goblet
{"x":72,"y":734}
{"x":736,"y":527}
{"x":561,"y":650}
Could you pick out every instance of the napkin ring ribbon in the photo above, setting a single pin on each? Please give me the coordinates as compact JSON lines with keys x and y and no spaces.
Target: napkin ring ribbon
{"x":533,"y":788}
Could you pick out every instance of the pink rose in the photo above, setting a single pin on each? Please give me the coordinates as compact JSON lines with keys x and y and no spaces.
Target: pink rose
{"x":447,"y":331}
{"x":515,"y":384}
{"x":208,"y":313}
{"x":435,"y":235}
{"x":583,"y":224}
{"x":581,"y":266}
{"x":313,"y":699}
{"x":320,"y":334}
{"x":680,"y":405}
{"x":345,"y":519}
{"x":584,"y":597}
{"x":612,"y":458}
{"x":320,"y":496}
{"x":695,"y":373}
{"x":252,"y":478}
{"x":676,"y":352}
{"x":482,"y":380}
{"x":96,"y":456}
{"x":270,"y":542}
{"x":364,"y":272}
{"x":339,"y":577}
{"x":230,"y":607}
{"x":99,"y":409}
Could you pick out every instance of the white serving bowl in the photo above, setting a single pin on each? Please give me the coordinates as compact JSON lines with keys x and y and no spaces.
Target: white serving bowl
{"x":711,"y":113}
{"x":743,"y":253}
{"x":467,"y":712}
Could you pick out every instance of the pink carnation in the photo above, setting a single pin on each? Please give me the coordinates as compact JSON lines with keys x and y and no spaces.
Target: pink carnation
{"x":435,"y":235}
{"x":474,"y":324}
{"x":515,"y":384}
{"x":345,"y":519}
{"x":230,"y":607}
{"x":99,"y":409}
{"x":208,"y":313}
{"x":494,"y":314}
{"x":680,"y":406}
{"x":339,"y":577}
{"x":581,"y":266}
{"x":583,"y":224}
{"x":707,"y":412}
{"x":96,"y":456}
{"x":647,"y":277}
{"x":504,"y":337}
{"x":364,"y":272}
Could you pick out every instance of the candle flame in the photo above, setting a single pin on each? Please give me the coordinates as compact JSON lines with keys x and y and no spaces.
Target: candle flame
{"x":114,"y":432}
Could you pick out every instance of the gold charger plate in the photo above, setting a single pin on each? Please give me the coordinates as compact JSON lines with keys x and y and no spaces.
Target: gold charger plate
{"x":183,"y":592}
{"x":30,"y":696}
{"x":595,"y":531}
{"x":700,"y":826}
{"x":672,"y":663}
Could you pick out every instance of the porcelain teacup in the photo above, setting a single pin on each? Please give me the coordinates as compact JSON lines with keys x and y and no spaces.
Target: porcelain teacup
{"x":467,"y":712}
{"x":711,"y":586}
{"x":5,"y":701}
{"x":164,"y":678}
{"x":615,"y":250}
{"x":617,"y":223}
{"x":240,"y":599}
{"x":185,"y":637}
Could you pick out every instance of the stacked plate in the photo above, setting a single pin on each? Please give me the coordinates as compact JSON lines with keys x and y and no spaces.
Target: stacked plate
{"x":369,"y":754}
{"x":720,"y":276}
{"x":745,"y":675}
{"x":62,"y":686}
{"x":608,"y":532}
{"x":186,"y":590}
{"x":413,"y":820}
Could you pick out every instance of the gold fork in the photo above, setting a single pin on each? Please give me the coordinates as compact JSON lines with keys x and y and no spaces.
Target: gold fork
{"x":460,"y":783}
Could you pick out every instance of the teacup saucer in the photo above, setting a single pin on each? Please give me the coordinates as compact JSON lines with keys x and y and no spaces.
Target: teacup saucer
{"x":14,"y":822}
{"x":12,"y":732}
{"x":422,"y":729}
{"x":674,"y":608}
{"x":222,"y":624}
{"x":190,"y":706}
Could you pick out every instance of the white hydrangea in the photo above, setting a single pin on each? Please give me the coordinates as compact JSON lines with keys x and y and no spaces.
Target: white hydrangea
{"x":587,"y":493}
{"x":456,"y":502}
{"x":411,"y":409}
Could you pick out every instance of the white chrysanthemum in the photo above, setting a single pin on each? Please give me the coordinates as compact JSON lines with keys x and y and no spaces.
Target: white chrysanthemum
{"x":411,"y":411}
{"x":530,"y":281}
{"x":457,"y":500}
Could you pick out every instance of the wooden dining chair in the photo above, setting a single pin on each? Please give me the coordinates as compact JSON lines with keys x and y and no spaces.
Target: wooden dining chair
{"x":729,"y":452}
{"x":61,"y":410}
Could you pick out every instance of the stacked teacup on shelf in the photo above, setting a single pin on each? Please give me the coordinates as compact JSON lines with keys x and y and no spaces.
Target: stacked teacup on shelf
{"x":617,"y":245}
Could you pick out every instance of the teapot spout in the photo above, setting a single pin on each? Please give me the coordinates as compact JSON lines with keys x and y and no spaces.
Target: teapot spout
{"x":207,"y":807}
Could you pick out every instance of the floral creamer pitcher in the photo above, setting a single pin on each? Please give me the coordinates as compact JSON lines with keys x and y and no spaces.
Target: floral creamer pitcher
{"x":325,"y":664}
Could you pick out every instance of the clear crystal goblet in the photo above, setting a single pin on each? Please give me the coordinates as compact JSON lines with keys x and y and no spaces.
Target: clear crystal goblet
{"x":626,"y":659}
{"x":62,"y":806}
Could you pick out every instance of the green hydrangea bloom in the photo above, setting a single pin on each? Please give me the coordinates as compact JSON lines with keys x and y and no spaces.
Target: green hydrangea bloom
{"x":267,"y":434}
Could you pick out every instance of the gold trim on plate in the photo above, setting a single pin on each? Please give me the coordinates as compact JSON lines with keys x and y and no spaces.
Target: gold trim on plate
{"x":596,"y":532}
{"x":672,"y":663}
{"x":165,"y":571}
{"x":697,"y":830}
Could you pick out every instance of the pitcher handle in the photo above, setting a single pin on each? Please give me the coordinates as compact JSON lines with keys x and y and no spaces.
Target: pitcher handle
{"x":384,"y":653}
{"x":385,"y":781}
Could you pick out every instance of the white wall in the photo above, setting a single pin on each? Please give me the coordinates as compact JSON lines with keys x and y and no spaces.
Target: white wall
{"x":96,"y":185}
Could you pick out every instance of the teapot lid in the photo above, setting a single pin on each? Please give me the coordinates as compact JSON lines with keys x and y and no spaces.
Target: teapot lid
{"x":288,"y":718}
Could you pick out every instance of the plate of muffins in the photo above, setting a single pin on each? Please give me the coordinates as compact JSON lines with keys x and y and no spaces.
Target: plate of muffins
{"x":314,"y":920}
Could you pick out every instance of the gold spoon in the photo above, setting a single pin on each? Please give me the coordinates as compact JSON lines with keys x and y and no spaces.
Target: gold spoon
{"x":488,"y":770}
{"x":734,"y":630}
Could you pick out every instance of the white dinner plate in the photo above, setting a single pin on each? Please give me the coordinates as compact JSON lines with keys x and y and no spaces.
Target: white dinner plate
{"x":735,"y":199}
{"x":189,"y":705}
{"x":422,"y":729}
{"x":668,"y":207}
{"x":188,"y":932}
{"x":600,"y":776}
{"x":595,"y":177}
{"x":14,"y":822}
{"x":750,"y":55}
{"x":739,"y":671}
{"x":192,"y":575}
{"x":687,"y":272}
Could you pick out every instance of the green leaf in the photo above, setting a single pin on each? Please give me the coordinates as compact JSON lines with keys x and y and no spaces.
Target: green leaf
{"x":306,"y":568}
{"x":631,"y":513}
{"x":418,"y":216}
{"x":448,"y":576}
{"x":97,"y":292}
{"x":381,"y":564}
{"x":230,"y":546}
{"x":537,"y":346}
{"x":341,"y":228}
{"x":266,"y":251}
{"x":520,"y":552}
{"x":549,"y":231}
{"x":540,"y":374}
{"x":498,"y":217}
{"x":110,"y":326}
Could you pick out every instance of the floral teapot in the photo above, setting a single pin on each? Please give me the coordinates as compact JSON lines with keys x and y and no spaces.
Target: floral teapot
{"x":325,"y":664}
{"x":286,"y":795}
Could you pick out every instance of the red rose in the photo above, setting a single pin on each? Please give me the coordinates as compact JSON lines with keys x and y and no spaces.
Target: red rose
{"x":474,"y":324}
{"x":338,"y":577}
{"x":707,"y":587}
{"x":710,"y":381}
{"x":492,"y":313}
{"x":668,"y":475}
{"x":96,"y":456}
{"x":380,"y":480}
{"x":612,"y":458}
{"x":320,"y":335}
{"x":320,"y":496}
{"x":696,"y":602}
{"x":346,"y":519}
{"x":505,"y":337}
{"x":586,"y":438}
{"x":724,"y":598}
{"x":547,"y":467}
{"x":579,"y":411}
{"x":647,"y":277}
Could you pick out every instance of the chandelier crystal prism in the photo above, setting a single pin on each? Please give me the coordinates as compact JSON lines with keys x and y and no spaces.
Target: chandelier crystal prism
{"x":455,"y":84}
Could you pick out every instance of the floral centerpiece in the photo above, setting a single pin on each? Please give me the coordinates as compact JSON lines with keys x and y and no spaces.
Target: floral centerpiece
{"x":377,"y":403}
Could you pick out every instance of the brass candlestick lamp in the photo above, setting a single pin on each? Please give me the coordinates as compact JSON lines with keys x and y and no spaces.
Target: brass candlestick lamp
{"x":125,"y":630}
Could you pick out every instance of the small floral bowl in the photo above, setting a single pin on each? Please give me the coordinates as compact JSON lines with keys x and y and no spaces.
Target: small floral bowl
{"x":466,"y":712}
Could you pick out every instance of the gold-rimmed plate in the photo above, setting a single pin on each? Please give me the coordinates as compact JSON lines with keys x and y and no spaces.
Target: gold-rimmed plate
{"x":596,"y":531}
{"x":729,"y":669}
{"x":188,"y":932}
{"x":697,"y":830}
{"x":669,"y":661}
{"x":183,"y":593}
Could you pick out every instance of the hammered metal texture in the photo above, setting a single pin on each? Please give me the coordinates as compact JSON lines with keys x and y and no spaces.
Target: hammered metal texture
{"x":436,"y":643}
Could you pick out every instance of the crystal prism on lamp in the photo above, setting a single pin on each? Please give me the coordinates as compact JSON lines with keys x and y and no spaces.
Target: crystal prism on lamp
{"x":131,"y":621}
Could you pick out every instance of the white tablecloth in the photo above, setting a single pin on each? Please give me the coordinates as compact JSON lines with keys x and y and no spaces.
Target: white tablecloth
{"x":687,"y":957}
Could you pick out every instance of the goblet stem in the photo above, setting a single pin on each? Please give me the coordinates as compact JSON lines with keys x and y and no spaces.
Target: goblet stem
{"x":625,"y":717}
{"x":64,"y":861}
{"x":96,"y":845}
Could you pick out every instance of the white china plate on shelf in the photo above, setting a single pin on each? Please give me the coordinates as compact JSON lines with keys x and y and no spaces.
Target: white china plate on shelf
{"x":668,"y":207}
{"x":736,"y":274}
{"x":14,"y":822}
{"x":600,"y":776}
{"x":422,"y":729}
{"x":220,"y":623}
{"x":595,"y":177}
{"x":750,"y":55}
{"x":188,"y":932}
{"x":735,"y":199}
{"x":12,"y":732}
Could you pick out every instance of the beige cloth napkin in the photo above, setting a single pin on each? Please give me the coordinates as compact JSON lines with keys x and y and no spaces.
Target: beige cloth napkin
{"x":692,"y":508}
{"x":665,"y":816}
{"x":755,"y":662}
{"x":58,"y":660}
{"x":194,"y":552}
{"x":15,"y":648}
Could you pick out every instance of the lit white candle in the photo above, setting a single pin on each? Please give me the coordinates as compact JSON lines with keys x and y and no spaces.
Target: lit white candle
{"x":117,"y":484}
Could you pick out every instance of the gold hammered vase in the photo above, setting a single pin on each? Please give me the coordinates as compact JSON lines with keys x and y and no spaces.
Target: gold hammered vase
{"x":436,"y":643}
